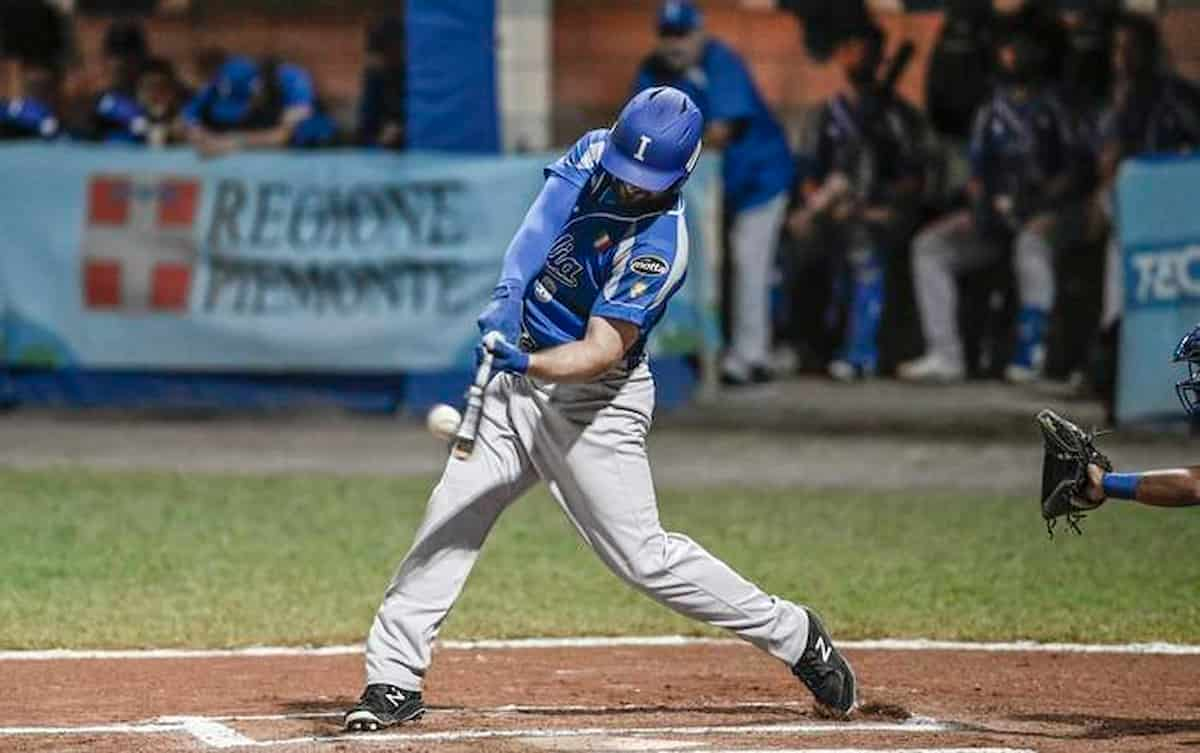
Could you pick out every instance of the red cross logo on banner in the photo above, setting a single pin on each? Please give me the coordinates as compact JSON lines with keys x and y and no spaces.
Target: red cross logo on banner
{"x":137,"y":246}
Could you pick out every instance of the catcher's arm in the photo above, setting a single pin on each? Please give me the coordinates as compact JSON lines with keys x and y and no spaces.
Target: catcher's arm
{"x":1174,"y":487}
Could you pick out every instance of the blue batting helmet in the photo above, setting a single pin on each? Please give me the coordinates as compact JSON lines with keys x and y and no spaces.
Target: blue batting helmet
{"x":656,"y":140}
{"x":1188,"y":351}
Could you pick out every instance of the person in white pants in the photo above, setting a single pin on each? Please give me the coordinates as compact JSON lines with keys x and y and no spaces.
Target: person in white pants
{"x":572,"y":406}
{"x":757,"y":170}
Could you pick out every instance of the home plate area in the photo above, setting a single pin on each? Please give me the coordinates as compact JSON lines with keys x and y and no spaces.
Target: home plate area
{"x":700,"y":697}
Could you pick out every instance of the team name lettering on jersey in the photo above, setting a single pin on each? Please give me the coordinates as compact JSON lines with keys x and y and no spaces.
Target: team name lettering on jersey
{"x":561,"y":264}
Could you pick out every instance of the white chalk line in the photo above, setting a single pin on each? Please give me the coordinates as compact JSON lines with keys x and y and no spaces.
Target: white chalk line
{"x":884,"y":644}
{"x":212,"y":732}
{"x":629,"y":708}
{"x":687,"y":731}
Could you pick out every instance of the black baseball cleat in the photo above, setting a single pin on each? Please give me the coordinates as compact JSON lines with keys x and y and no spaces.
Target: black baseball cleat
{"x":384,"y":706}
{"x":825,"y":672}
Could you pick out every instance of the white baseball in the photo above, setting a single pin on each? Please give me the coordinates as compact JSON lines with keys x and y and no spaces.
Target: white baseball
{"x":443,"y":421}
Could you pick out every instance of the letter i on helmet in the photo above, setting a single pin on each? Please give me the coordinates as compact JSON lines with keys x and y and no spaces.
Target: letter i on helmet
{"x":655,"y":142}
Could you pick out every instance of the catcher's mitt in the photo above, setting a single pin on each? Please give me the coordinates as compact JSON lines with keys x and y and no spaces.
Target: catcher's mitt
{"x":1069,"y":450}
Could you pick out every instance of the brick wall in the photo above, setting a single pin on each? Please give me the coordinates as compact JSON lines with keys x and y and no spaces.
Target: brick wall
{"x":596,"y":48}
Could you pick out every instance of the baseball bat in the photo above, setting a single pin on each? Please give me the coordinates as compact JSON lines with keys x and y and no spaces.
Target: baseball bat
{"x":464,"y":439}
{"x":895,"y":69}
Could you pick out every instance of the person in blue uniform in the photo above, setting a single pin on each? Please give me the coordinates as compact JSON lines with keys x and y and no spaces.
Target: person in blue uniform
{"x":757,"y":169}
{"x":33,"y":114}
{"x":116,"y":114}
{"x":255,"y":104}
{"x":584,"y":281}
{"x":1172,"y":487}
{"x":152,"y":116}
{"x":862,"y":200}
{"x":1027,"y":189}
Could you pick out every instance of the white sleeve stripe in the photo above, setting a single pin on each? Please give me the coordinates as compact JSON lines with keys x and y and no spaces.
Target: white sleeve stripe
{"x":620,"y":263}
{"x":681,"y":261}
{"x":691,"y":163}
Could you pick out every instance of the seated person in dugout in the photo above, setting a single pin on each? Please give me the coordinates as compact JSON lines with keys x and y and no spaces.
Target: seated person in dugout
{"x":1029,"y":180}
{"x":863,"y":198}
{"x":256,"y":105}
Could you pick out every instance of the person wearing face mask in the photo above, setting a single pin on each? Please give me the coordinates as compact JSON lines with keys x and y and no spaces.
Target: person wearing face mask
{"x":1028,"y":177}
{"x":757,"y":169}
{"x":862,"y":200}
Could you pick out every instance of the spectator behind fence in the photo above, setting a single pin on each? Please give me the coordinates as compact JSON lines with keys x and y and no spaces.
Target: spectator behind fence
{"x":1024,"y":177}
{"x":757,"y":169}
{"x":151,"y":117}
{"x":383,"y":106}
{"x":1152,"y":111}
{"x":33,"y":114}
{"x":116,"y":115}
{"x":256,"y":105}
{"x":862,"y":200}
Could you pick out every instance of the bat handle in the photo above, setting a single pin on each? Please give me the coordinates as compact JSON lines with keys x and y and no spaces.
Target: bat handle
{"x":468,"y":428}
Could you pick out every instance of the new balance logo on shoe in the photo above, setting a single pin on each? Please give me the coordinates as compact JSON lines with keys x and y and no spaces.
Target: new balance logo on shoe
{"x":823,"y":648}
{"x":396,"y":698}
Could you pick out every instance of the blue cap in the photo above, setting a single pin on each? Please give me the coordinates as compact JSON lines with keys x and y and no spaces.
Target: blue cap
{"x":656,"y":140}
{"x":679,"y":17}
{"x":237,"y":83}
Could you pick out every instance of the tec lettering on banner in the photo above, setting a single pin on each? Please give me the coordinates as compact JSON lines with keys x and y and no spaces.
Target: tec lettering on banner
{"x":138,"y":250}
{"x":1164,"y":276}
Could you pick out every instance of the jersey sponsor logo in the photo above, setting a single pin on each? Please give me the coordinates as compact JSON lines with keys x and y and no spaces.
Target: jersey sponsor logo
{"x":561,"y":265}
{"x":541,"y":292}
{"x":651,"y":266}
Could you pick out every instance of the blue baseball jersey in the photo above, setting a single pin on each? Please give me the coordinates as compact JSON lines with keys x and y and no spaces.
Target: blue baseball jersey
{"x":27,"y":118}
{"x":224,"y":110}
{"x":757,"y":164}
{"x":607,"y":260}
{"x":120,"y":118}
{"x":1019,"y":145}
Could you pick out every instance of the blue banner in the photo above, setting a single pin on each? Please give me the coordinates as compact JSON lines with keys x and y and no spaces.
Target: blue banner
{"x":1160,"y":247}
{"x":337,"y":262}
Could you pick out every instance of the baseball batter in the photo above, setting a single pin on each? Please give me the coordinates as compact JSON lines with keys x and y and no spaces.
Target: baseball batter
{"x":586,"y":278}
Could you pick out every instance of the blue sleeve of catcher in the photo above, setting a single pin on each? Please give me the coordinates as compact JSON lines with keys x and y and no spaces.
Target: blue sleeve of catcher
{"x":543,"y":222}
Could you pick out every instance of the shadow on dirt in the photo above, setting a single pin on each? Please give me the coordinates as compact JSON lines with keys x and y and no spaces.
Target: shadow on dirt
{"x":1113,"y":727}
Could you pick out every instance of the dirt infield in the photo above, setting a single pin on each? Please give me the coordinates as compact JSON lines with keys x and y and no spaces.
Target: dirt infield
{"x":694,"y":697}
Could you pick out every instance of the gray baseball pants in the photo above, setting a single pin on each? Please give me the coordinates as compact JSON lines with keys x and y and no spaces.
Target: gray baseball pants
{"x":588,"y":442}
{"x":754,"y":239}
{"x":950,"y":247}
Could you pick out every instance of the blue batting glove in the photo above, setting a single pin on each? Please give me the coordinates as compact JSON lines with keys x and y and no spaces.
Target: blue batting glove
{"x":508,"y":357}
{"x":503,"y":312}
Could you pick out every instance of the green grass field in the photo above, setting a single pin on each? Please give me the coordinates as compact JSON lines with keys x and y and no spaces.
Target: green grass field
{"x":91,"y":559}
